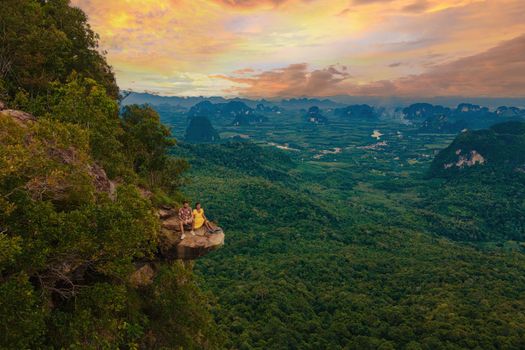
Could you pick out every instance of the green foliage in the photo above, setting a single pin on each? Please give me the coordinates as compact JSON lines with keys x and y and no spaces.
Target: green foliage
{"x":56,"y":215}
{"x":248,"y":157}
{"x":84,"y":102}
{"x":175,"y":303}
{"x":146,"y":142}
{"x":99,"y":318}
{"x":45,"y":41}
{"x":305,"y":269}
{"x":68,"y":248}
{"x":325,"y":249}
{"x":22,"y":314}
{"x":9,"y":249}
{"x":478,"y":206}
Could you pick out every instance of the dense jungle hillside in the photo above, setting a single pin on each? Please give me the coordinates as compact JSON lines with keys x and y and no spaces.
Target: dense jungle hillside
{"x":79,"y":191}
{"x":367,"y":266}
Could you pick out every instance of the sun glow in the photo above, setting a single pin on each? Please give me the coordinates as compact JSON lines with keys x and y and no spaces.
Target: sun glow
{"x":193,"y":47}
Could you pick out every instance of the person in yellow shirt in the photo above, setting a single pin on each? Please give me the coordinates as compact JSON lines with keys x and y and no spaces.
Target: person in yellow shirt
{"x":199,"y":219}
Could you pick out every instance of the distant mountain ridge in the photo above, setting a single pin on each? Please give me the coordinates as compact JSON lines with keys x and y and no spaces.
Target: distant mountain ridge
{"x":437,"y":118}
{"x":237,"y":113}
{"x":357,"y":111}
{"x":230,"y":109}
{"x":328,"y":102}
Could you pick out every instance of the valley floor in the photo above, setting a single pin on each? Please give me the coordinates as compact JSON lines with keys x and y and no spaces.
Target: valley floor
{"x":335,"y":241}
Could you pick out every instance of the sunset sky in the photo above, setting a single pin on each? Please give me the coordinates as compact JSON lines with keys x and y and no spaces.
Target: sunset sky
{"x":286,"y":48}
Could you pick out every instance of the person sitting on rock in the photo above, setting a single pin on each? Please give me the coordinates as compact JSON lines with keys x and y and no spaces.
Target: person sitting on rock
{"x":185,"y":218}
{"x":199,"y":219}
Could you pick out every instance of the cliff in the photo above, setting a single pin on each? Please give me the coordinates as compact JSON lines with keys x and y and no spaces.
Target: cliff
{"x":171,"y":247}
{"x":192,"y":246}
{"x":77,"y":164}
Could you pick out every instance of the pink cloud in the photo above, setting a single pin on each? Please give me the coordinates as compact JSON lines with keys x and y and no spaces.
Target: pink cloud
{"x":294,"y":80}
{"x":498,"y":71}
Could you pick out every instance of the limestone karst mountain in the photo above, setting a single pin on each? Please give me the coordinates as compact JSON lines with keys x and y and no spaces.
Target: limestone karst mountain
{"x":315,"y":116}
{"x":441,"y":119}
{"x":200,"y":130}
{"x":500,"y":148}
{"x":356,"y":111}
{"x":227,"y":110}
{"x":246,"y":120}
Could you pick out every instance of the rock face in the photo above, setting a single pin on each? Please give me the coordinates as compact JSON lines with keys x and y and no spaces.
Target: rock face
{"x":470,"y":159}
{"x":21,"y":118}
{"x":143,"y":275}
{"x":100,"y":179}
{"x":193,"y":247}
{"x":172,"y":247}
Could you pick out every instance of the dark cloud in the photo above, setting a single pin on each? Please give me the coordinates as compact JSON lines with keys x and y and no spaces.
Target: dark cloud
{"x":344,"y":12}
{"x":417,"y":7}
{"x":395,"y":64}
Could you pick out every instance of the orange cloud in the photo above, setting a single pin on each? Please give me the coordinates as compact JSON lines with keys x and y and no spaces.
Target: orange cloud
{"x":498,"y":72}
{"x":244,"y":71}
{"x":250,"y":3}
{"x":174,"y":46}
{"x":294,"y":80}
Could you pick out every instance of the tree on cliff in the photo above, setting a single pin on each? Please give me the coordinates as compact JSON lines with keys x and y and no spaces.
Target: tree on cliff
{"x":74,"y":219}
{"x":44,"y":41}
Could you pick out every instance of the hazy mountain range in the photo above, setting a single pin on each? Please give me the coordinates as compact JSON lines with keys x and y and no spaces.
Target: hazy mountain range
{"x":330,"y":102}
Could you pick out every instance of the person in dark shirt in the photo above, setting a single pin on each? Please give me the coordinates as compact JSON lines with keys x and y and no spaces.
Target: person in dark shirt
{"x":185,"y":218}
